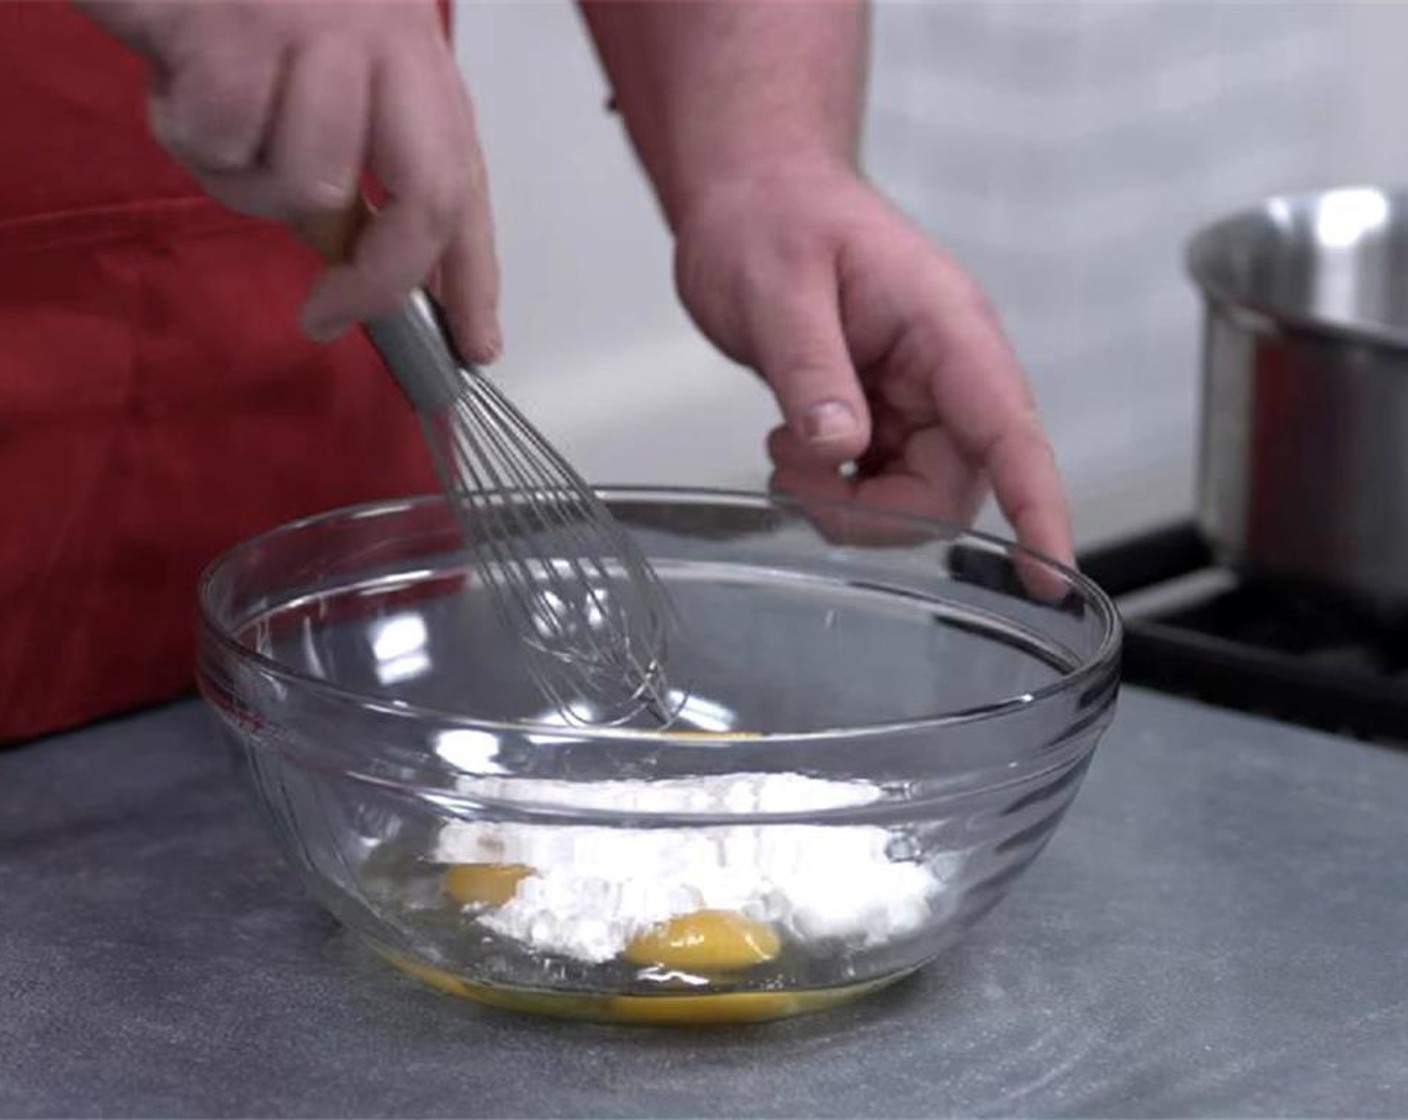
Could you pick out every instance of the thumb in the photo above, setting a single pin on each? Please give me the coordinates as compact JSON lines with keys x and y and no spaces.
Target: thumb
{"x":800,"y":348}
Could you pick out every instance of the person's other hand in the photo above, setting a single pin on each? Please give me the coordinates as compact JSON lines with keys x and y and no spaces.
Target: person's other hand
{"x":278,"y":109}
{"x":880,"y":349}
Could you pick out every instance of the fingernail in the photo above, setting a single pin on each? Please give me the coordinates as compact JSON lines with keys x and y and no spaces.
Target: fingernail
{"x":829,"y":422}
{"x":331,"y":193}
{"x":484,"y":351}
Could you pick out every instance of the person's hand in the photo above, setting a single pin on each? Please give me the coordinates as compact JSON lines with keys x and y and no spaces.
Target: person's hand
{"x":278,"y":108}
{"x":880,"y":349}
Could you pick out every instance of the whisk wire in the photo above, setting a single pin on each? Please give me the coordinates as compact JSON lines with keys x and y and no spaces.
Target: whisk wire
{"x":589,"y":573}
{"x":563,"y":574}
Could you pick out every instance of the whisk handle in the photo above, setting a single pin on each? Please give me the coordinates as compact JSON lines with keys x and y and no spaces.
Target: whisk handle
{"x":415,"y":340}
{"x":333,"y":233}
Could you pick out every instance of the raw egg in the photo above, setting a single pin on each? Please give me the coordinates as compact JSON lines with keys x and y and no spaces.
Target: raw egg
{"x":705,"y":941}
{"x":484,"y":884}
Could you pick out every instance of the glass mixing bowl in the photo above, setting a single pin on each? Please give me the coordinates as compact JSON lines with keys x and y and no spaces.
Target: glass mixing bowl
{"x":884,"y":720}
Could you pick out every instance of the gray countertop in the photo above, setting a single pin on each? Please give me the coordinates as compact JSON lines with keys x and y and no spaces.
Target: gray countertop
{"x":1219,"y":927}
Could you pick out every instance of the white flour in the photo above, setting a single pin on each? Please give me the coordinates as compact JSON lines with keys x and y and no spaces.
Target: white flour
{"x":596,"y":888}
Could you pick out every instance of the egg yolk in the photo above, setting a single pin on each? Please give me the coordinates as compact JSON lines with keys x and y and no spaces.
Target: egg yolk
{"x":484,"y":884}
{"x":705,"y":941}
{"x":682,"y":1010}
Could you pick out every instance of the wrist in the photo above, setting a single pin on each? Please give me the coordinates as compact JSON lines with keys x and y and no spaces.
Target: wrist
{"x":770,"y":177}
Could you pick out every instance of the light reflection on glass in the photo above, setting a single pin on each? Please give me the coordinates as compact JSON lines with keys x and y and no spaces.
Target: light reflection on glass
{"x":555,"y":618}
{"x":579,"y":713}
{"x":399,"y":646}
{"x":470,"y":750}
{"x":701,"y":713}
{"x":692,"y":713}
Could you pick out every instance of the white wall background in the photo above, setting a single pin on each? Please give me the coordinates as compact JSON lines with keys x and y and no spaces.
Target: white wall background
{"x":596,"y":346}
{"x":1064,"y":150}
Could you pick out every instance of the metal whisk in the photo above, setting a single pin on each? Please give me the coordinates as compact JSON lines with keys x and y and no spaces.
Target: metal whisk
{"x":592,"y":616}
{"x":591,"y":613}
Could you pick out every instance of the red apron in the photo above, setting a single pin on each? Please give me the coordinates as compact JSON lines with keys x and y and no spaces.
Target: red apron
{"x":157,"y":403}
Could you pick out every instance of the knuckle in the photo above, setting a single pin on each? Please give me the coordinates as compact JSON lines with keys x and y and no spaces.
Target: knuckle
{"x":804,"y":367}
{"x":441,"y":203}
{"x":797,"y":246}
{"x":1022,"y":437}
{"x":215,"y":121}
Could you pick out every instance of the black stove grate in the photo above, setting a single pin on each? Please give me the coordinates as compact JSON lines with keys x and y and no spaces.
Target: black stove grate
{"x":1277,"y":652}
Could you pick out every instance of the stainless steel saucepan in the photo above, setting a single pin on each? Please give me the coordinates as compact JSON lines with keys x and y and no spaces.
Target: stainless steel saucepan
{"x":1304,"y":458}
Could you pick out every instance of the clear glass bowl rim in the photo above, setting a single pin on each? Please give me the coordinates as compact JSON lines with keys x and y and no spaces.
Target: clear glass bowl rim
{"x":1100,"y":662}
